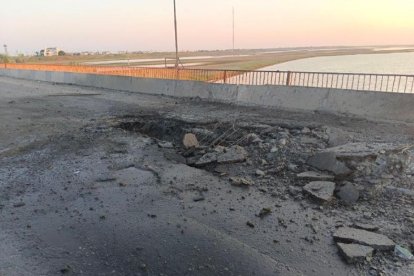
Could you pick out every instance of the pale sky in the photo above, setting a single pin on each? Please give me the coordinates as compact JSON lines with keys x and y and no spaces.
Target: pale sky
{"x":76,"y":25}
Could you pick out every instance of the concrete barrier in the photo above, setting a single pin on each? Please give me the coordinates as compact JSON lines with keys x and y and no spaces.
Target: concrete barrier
{"x":370,"y":105}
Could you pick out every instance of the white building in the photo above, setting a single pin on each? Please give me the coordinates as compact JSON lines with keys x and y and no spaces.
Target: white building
{"x":53,"y":51}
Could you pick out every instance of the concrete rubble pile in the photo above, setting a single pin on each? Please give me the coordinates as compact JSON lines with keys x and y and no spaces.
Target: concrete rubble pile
{"x":320,"y":168}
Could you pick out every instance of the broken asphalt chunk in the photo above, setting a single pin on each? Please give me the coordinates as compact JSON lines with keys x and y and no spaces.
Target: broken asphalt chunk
{"x":355,"y":252}
{"x":207,"y":159}
{"x":368,"y":227}
{"x":327,"y":161}
{"x":363,"y":237}
{"x":234,"y":154}
{"x":321,"y":190}
{"x":165,"y":145}
{"x":315,"y":176}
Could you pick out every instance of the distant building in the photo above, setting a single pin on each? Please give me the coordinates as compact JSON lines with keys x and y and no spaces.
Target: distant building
{"x":49,"y":52}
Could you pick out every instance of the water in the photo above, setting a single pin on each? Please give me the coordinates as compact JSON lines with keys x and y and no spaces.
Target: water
{"x":149,"y":60}
{"x":395,"y":63}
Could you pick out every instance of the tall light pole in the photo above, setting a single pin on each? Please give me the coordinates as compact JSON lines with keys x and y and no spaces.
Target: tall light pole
{"x":176,"y":36}
{"x":5,"y":50}
{"x":233,"y":31}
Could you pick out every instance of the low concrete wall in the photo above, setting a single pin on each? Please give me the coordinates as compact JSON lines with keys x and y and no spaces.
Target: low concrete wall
{"x":372,"y":105}
{"x":366,"y":104}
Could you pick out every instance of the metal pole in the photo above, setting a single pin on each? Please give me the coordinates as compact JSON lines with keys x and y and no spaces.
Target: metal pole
{"x":233,"y":31}
{"x":176,"y":36}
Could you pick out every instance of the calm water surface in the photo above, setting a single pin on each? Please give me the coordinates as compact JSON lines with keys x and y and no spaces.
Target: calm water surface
{"x":396,"y":63}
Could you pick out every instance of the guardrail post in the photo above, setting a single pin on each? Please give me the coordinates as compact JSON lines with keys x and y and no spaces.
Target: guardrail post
{"x":288,"y":79}
{"x":225,"y":76}
{"x":177,"y":74}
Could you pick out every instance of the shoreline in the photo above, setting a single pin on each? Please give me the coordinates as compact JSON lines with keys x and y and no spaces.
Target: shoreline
{"x":242,"y":60}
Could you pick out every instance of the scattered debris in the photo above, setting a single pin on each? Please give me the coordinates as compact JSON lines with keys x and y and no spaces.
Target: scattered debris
{"x":274,"y":153}
{"x":241,"y":181}
{"x":355,"y":252}
{"x":199,"y":198}
{"x":67,"y":269}
{"x":400,"y":191}
{"x":264,"y":212}
{"x":190,"y":141}
{"x":206,"y":159}
{"x":348,"y":193}
{"x":363,"y":237}
{"x":234,"y":154}
{"x":403,"y":253}
{"x":306,"y":130}
{"x":19,"y":204}
{"x":260,"y":173}
{"x":315,"y":176}
{"x":364,"y":159}
{"x":165,"y":145}
{"x":106,"y":179}
{"x":327,"y":161}
{"x":253,"y":138}
{"x":321,"y":190}
{"x":368,"y":227}
{"x":294,"y":191}
{"x":251,"y":225}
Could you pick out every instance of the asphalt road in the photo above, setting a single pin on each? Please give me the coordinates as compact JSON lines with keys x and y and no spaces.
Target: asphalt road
{"x":80,"y":197}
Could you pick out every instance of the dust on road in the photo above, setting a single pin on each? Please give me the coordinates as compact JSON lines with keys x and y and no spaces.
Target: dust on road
{"x":99,"y":182}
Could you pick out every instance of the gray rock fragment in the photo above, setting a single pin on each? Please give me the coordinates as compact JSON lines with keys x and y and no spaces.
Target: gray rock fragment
{"x":260,"y":173}
{"x":19,"y":204}
{"x":337,"y":137}
{"x":206,"y":159}
{"x":294,"y":190}
{"x":348,"y":193}
{"x":368,"y":227}
{"x":165,"y":145}
{"x":355,"y":252}
{"x":376,"y":241}
{"x":327,"y":161}
{"x":399,"y":191}
{"x":321,"y":190}
{"x":355,"y":151}
{"x":315,"y":176}
{"x":234,"y":154}
{"x":253,"y":138}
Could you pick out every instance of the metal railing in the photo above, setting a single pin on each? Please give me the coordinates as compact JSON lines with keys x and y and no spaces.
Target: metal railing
{"x":346,"y":81}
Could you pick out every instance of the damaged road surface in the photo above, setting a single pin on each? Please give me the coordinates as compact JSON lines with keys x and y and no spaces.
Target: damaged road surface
{"x":100,"y":182}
